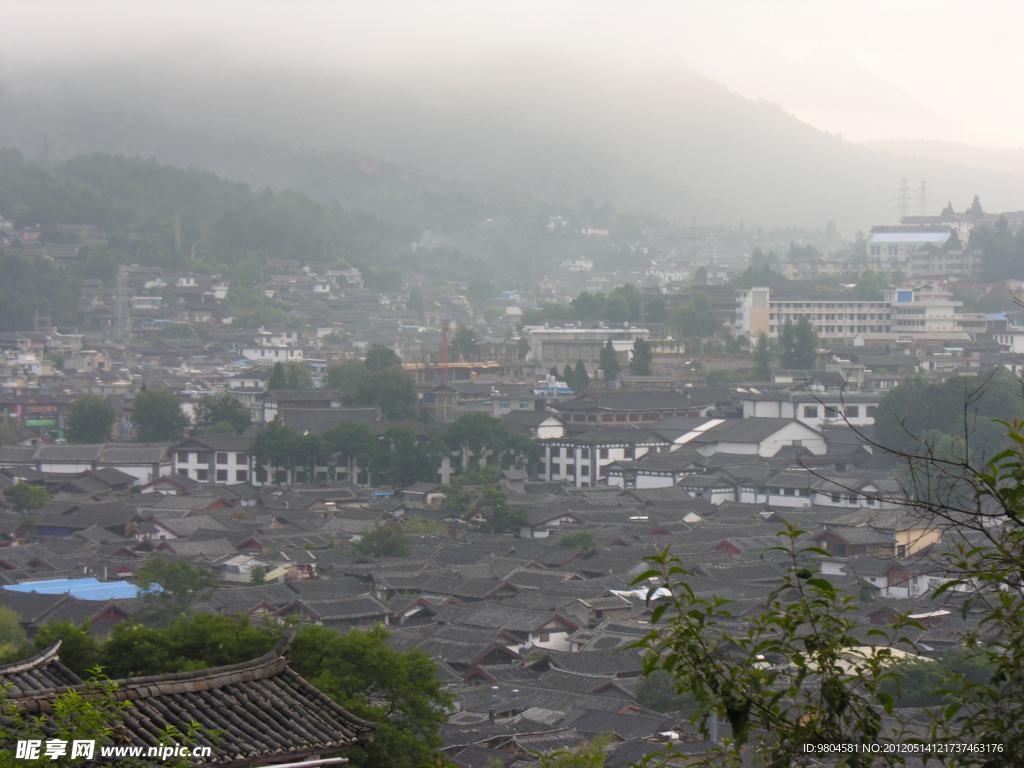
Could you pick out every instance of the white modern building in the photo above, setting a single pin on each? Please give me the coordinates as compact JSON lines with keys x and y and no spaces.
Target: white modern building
{"x":901,"y":312}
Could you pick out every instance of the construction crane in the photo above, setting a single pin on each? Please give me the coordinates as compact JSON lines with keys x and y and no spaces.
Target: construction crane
{"x":444,"y":351}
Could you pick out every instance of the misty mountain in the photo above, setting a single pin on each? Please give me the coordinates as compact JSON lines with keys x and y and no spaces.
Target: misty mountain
{"x":827,"y":88}
{"x":666,"y":141}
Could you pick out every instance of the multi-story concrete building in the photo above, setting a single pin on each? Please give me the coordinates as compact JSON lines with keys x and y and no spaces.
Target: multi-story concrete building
{"x":892,"y":249}
{"x":901,"y":312}
{"x":560,"y":346}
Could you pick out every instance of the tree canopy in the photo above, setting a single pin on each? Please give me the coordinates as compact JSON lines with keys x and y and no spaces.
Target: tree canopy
{"x":464,"y":344}
{"x":870,"y":286}
{"x":171,"y":588}
{"x":643,"y":356}
{"x":381,"y":357}
{"x":89,"y":420}
{"x":278,"y":378}
{"x":798,"y":345}
{"x":962,"y":408}
{"x":392,"y":389}
{"x":609,"y":363}
{"x":25,"y":497}
{"x":159,"y":416}
{"x":212,"y":413}
{"x":762,"y":357}
{"x":385,"y":539}
{"x":357,"y":669}
{"x":695,"y":319}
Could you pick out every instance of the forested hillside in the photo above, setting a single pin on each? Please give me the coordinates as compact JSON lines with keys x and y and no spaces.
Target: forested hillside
{"x":139,"y":204}
{"x":436,"y":142}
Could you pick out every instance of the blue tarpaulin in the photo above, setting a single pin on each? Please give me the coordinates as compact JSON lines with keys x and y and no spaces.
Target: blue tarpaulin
{"x":83,"y":589}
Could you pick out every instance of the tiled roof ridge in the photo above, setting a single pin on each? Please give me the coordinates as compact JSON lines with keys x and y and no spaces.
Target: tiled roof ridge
{"x":34,"y":662}
{"x":269,"y":665}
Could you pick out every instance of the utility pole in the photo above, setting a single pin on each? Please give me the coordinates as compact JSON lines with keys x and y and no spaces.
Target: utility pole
{"x":123,"y":330}
{"x":177,"y":233}
{"x":922,"y":199}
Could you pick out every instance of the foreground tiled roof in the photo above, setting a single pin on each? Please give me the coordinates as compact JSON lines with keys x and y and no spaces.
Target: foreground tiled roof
{"x":39,"y":673}
{"x":261,"y":709}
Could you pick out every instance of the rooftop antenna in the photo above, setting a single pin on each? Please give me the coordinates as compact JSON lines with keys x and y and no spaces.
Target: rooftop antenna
{"x":123,"y":329}
{"x":922,"y":199}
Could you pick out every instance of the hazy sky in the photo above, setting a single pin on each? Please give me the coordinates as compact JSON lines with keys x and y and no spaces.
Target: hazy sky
{"x":867,"y":69}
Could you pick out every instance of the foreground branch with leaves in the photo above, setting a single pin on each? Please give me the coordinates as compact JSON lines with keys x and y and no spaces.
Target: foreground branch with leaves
{"x":804,"y":672}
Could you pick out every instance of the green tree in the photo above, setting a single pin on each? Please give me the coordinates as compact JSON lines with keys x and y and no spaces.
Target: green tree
{"x":581,"y":378}
{"x":465,"y":343}
{"x":700,"y":277}
{"x":609,"y":363}
{"x":643,"y":356}
{"x":817,"y":689}
{"x":11,"y":631}
{"x":590,"y":306}
{"x":655,"y":311}
{"x":381,"y":357}
{"x":89,"y":420}
{"x":79,"y":650}
{"x":569,"y":377}
{"x":697,"y":319}
{"x":11,"y":432}
{"x":762,"y":357}
{"x":503,"y":518}
{"x":257,"y":576}
{"x":278,"y":378}
{"x":915,"y":414}
{"x":159,"y":416}
{"x":347,"y":377}
{"x":299,"y":376}
{"x":275,"y":446}
{"x":170,"y":589}
{"x":25,"y":497}
{"x":399,"y":690}
{"x":385,"y":539}
{"x":623,"y":304}
{"x":350,"y":441}
{"x":871,"y":285}
{"x":415,"y":304}
{"x":581,"y":539}
{"x":798,"y":345}
{"x":212,"y":411}
{"x":398,"y":460}
{"x":393,"y":391}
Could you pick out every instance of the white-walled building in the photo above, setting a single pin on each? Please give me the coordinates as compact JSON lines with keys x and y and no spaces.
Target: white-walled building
{"x":901,"y":312}
{"x":566,"y":345}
